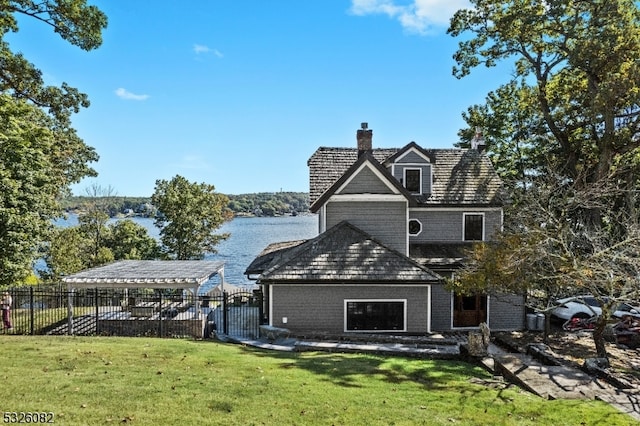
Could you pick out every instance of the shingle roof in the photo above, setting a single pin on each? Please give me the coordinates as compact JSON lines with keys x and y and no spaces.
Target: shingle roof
{"x":366,"y":157}
{"x":327,"y":165}
{"x":147,"y":273}
{"x":270,"y":255}
{"x":460,"y":177}
{"x":345,"y":253}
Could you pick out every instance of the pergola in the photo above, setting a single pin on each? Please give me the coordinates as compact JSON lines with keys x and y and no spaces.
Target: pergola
{"x":155,"y":274}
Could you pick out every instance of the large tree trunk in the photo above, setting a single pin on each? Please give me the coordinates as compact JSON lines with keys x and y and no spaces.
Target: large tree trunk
{"x":598,"y":337}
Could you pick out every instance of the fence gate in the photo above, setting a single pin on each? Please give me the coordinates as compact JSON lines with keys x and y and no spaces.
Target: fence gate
{"x":235,"y":314}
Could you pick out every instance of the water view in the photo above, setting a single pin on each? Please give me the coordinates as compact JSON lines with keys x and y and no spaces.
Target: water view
{"x":249,"y":236}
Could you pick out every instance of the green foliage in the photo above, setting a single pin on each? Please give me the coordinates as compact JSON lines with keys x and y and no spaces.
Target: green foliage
{"x":276,"y":203}
{"x":75,"y":21}
{"x":74,"y":248}
{"x":188,"y":215}
{"x":576,"y":64}
{"x":269,"y":203}
{"x":40,"y":154}
{"x":566,"y":132}
{"x":129,"y":240}
{"x":37,"y":160}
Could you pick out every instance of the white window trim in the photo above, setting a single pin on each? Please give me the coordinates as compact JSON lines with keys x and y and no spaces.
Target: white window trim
{"x":464,"y":221}
{"x":404,"y":179}
{"x":408,"y":226}
{"x":404,"y":314}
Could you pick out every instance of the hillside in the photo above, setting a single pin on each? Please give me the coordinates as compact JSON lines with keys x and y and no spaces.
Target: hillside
{"x":257,"y":204}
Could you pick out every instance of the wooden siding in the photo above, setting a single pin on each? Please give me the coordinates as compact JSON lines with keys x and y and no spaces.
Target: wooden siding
{"x":446,"y":225}
{"x":385,"y":221}
{"x":398,"y":173}
{"x":320,"y":309}
{"x":440,"y":308}
{"x":366,"y":182}
{"x":411,"y":157}
{"x":506,"y":312}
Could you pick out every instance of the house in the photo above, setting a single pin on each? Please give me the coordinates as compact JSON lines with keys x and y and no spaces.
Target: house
{"x":393,"y":223}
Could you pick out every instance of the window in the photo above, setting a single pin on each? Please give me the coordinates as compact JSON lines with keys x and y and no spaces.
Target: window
{"x":412,"y":180}
{"x":473,"y":227}
{"x":375,"y":315}
{"x":415,"y":227}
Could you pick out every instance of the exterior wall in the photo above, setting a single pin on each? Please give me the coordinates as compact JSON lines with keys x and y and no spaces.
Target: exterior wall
{"x":506,"y":312}
{"x":366,"y":182}
{"x":413,"y":161}
{"x":320,"y":309}
{"x":440,"y":308}
{"x":447,"y":225}
{"x":386,"y":221}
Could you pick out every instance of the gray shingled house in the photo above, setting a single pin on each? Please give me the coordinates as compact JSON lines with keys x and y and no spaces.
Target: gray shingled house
{"x":392,"y":223}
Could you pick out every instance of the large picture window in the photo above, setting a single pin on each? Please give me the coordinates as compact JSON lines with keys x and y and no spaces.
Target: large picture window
{"x":473,"y":227}
{"x":375,"y":315}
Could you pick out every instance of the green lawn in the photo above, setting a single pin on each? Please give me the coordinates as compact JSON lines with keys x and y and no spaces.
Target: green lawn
{"x":147,"y":381}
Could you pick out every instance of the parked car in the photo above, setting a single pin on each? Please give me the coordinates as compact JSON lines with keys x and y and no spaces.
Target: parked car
{"x":588,"y":306}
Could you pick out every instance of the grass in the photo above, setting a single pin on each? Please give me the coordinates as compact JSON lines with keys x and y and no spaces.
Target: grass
{"x":147,"y":381}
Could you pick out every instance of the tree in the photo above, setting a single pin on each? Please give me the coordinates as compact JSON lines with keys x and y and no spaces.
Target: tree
{"x":73,"y":20}
{"x":188,"y":215}
{"x":513,"y":131}
{"x":574,"y":103}
{"x":66,"y":254}
{"x":547,"y":251}
{"x":93,"y":221}
{"x":33,"y":173}
{"x":40,"y":153}
{"x":579,"y":59}
{"x":73,"y":249}
{"x":129,"y":240}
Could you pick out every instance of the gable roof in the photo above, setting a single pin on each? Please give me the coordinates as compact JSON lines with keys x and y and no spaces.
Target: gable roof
{"x":460,"y":177}
{"x":367,"y":157}
{"x":345,"y":253}
{"x":402,"y":151}
{"x":327,"y":165}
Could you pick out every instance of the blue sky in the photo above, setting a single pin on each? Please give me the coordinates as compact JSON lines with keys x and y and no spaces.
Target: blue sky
{"x":240,"y":93}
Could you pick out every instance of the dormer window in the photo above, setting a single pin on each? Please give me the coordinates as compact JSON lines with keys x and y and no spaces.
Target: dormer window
{"x":413,"y":180}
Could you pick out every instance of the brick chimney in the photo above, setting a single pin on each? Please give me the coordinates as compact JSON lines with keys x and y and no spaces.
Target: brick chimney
{"x":364,"y":137}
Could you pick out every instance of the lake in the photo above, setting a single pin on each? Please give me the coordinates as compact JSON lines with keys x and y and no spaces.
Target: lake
{"x":249,"y":236}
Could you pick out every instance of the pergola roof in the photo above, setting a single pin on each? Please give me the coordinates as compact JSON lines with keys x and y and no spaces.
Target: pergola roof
{"x":147,"y":274}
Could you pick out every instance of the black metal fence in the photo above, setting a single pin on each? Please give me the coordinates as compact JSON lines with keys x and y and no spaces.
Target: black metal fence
{"x":134,"y":312}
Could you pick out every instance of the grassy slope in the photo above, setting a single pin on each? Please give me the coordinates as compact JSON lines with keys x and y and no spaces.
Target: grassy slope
{"x":144,"y":381}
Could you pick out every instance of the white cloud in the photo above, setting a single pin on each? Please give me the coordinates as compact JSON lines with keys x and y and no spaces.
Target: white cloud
{"x":202,"y":49}
{"x":418,"y":16}
{"x":125,"y":94}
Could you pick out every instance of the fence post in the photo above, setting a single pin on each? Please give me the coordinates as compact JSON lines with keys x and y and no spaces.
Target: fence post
{"x":260,"y":307}
{"x":70,"y":310}
{"x":32,"y":317}
{"x":97,"y":309}
{"x":160,"y":314}
{"x":225,"y":314}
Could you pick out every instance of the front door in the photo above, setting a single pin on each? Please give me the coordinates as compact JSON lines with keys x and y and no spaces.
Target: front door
{"x":469,"y":311}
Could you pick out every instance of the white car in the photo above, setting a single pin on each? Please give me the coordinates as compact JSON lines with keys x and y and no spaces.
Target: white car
{"x":588,"y":306}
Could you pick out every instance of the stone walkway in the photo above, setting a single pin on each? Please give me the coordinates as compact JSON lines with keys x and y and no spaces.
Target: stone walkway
{"x":551,"y":382}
